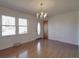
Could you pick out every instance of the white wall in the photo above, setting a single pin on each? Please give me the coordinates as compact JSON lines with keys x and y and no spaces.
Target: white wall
{"x":63,"y":28}
{"x":78,"y":27}
{"x":8,"y":41}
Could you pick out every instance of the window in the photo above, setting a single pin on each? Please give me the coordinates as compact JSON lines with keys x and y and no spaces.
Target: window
{"x":38,"y":28}
{"x":8,"y":25}
{"x":22,"y":26}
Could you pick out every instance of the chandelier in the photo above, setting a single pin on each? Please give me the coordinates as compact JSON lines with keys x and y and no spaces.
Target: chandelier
{"x":41,"y":14}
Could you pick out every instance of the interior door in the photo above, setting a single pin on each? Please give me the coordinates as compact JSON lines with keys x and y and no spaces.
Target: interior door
{"x":45,"y":29}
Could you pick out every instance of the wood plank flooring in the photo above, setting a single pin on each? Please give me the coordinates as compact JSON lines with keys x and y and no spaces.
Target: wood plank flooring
{"x":41,"y":49}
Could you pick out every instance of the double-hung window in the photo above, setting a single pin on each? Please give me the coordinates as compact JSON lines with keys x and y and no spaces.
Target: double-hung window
{"x":22,"y":26}
{"x":38,"y":28}
{"x":8,"y":25}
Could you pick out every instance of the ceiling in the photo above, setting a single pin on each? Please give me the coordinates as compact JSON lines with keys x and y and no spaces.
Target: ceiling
{"x":52,"y":7}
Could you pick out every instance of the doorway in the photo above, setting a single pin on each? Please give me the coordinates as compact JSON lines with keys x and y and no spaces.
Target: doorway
{"x":45,"y":29}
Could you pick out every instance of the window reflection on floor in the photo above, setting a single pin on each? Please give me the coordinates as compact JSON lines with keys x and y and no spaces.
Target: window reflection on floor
{"x":19,"y":55}
{"x":23,"y":55}
{"x":38,"y":47}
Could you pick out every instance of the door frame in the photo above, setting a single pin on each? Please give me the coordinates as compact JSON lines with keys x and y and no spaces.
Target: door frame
{"x":45,"y":35}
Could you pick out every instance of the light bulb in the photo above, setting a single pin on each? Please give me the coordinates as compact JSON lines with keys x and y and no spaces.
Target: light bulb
{"x":37,"y":15}
{"x":45,"y":15}
{"x":42,"y":13}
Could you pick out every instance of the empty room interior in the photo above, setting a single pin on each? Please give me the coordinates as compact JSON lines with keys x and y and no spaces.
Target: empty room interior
{"x":39,"y":28}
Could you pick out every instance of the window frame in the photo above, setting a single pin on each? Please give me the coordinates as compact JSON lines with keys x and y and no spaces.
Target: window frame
{"x":26,"y":26}
{"x":39,"y":28}
{"x":8,"y":26}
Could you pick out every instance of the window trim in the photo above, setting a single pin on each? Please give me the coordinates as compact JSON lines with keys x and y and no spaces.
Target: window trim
{"x":26,"y":26}
{"x":7,"y":26}
{"x":39,"y":28}
{"x":16,"y":25}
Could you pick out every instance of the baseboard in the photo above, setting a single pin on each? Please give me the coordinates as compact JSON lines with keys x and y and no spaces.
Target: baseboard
{"x":16,"y":45}
{"x":66,"y":43}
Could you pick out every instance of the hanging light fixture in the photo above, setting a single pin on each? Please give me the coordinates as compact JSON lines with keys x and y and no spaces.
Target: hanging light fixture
{"x":41,"y":14}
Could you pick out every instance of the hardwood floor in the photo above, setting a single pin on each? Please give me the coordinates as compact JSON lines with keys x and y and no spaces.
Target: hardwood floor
{"x":41,"y":49}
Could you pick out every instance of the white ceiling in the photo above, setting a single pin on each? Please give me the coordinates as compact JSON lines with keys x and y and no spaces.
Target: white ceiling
{"x":52,"y":7}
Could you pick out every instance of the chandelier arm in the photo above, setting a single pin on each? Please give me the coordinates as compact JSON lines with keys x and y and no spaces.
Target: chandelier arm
{"x":41,"y":14}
